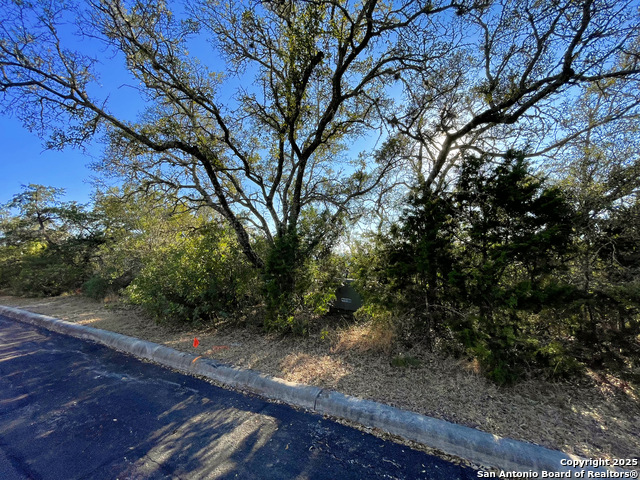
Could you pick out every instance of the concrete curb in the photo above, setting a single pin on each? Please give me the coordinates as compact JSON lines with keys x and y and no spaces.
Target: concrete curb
{"x":474,"y":445}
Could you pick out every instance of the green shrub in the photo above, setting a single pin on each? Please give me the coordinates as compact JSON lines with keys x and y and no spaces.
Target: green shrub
{"x":280,"y":278}
{"x":556,"y":361}
{"x":44,"y":272}
{"x":478,"y":261}
{"x":293,"y":324}
{"x":97,"y":287}
{"x":297,"y":290}
{"x":46,"y":249}
{"x":199,"y":278}
{"x":403,"y":361}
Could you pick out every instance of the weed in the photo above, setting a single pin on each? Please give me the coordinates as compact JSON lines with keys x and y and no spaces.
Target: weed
{"x":404,"y":361}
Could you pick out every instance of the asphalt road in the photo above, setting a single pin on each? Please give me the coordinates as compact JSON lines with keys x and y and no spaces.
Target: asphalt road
{"x":71,"y":409}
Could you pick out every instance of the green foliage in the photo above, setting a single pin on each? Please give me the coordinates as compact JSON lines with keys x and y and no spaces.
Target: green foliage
{"x":618,"y":282}
{"x":45,"y":272}
{"x":198,"y":278}
{"x":138,"y":225}
{"x":602,"y":179}
{"x":380,"y":292}
{"x":516,"y":235}
{"x":557,"y":360}
{"x":292,"y":324}
{"x":322,"y":278}
{"x":374,"y":313}
{"x":279,"y":283}
{"x":97,"y":287}
{"x":478,"y":261}
{"x":297,"y":289}
{"x":405,"y":361}
{"x":301,"y":275}
{"x":48,"y":248}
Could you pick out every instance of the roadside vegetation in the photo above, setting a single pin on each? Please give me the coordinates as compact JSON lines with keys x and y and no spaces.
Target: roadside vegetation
{"x":494,"y":271}
{"x":473,"y":166}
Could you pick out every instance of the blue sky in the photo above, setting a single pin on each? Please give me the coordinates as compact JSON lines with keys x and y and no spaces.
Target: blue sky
{"x":23,"y":157}
{"x":23,"y":160}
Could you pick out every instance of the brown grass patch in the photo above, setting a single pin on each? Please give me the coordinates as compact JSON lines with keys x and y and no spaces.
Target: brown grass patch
{"x":375,"y":337}
{"x":304,"y":368}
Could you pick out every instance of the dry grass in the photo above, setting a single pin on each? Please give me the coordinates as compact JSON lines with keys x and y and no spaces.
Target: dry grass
{"x":597,"y":417}
{"x":369,"y":337}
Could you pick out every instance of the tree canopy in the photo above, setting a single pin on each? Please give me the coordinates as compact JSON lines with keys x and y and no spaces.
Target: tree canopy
{"x":49,"y":247}
{"x":309,"y":78}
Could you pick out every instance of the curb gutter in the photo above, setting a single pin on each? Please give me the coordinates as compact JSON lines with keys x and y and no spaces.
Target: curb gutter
{"x":474,"y":445}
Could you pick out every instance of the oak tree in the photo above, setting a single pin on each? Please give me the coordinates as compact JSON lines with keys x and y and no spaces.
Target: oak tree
{"x":260,"y":126}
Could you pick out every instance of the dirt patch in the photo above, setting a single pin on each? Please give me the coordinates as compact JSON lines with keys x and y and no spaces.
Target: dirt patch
{"x":599,"y":418}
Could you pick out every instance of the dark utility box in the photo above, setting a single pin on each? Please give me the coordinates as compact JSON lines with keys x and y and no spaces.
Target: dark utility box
{"x":347,"y":298}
